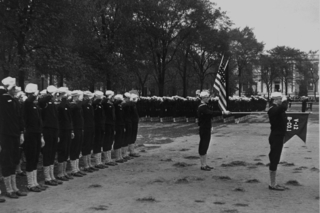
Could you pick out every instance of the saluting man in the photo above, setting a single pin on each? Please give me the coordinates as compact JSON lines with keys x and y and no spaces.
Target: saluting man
{"x":109,"y":127}
{"x":205,"y":114}
{"x":78,"y":123}
{"x":50,"y":131}
{"x":33,"y":137}
{"x":127,"y":109}
{"x":99,"y":121}
{"x":11,"y":135}
{"x":278,"y":121}
{"x":65,"y":134}
{"x":88,"y":134}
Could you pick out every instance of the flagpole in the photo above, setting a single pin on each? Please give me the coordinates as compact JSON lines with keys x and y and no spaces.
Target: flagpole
{"x":259,"y":113}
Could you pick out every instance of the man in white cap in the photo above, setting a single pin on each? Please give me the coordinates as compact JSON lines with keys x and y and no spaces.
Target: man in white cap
{"x":119,"y":127}
{"x":99,"y":120}
{"x":127,"y":109}
{"x":50,"y":131}
{"x":205,"y":114}
{"x":135,"y":121}
{"x":278,"y":121}
{"x":11,"y":135}
{"x":65,"y":134}
{"x":78,"y":123}
{"x":33,"y":136}
{"x":110,"y":120}
{"x":88,"y":131}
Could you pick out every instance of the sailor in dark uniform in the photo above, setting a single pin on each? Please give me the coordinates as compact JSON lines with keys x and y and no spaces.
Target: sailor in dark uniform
{"x":278,"y":121}
{"x":110,"y":122}
{"x":135,"y":122}
{"x":50,"y":131}
{"x":205,"y":114}
{"x":120,"y":128}
{"x":11,"y":136}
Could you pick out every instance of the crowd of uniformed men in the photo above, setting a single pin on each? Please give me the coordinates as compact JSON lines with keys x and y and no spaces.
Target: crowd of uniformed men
{"x":63,"y":125}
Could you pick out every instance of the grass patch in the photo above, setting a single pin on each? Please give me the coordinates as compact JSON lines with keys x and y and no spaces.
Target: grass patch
{"x":259,"y":164}
{"x":219,"y":203}
{"x":167,"y":160}
{"x":192,"y":157}
{"x":182,"y":180}
{"x":99,"y":208}
{"x":199,"y":201}
{"x":147,"y":199}
{"x":241,"y":204}
{"x":183,"y":150}
{"x":253,"y":181}
{"x":314,"y":169}
{"x":293,"y":183}
{"x":95,"y":186}
{"x":234,"y":163}
{"x":229,"y":211}
{"x":182,"y":164}
{"x":239,"y":189}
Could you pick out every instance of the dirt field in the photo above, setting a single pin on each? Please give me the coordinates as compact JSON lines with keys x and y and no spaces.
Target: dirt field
{"x":167,"y":178}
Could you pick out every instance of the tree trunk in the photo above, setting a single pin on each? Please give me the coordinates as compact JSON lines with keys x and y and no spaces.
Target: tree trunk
{"x":184,"y":74}
{"x":60,"y":84}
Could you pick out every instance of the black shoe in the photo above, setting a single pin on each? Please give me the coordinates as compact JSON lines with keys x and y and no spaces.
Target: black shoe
{"x":20,"y":193}
{"x":76,"y":174}
{"x":209,"y":167}
{"x":205,"y":168}
{"x":2,"y":200}
{"x":63,"y":178}
{"x":127,"y":158}
{"x":34,"y":189}
{"x":135,"y":155}
{"x":100,"y":166}
{"x":94,"y":169}
{"x":50,"y":183}
{"x":82,"y":173}
{"x":57,"y":181}
{"x":12,"y":195}
{"x":121,"y":161}
{"x":276,"y":188}
{"x":88,"y":170}
{"x":69,"y":177}
{"x":111,"y":163}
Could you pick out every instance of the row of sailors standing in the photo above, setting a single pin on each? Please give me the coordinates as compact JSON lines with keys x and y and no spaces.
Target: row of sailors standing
{"x":63,"y":125}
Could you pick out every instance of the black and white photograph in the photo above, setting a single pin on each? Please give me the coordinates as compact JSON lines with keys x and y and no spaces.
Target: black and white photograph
{"x":159,"y":106}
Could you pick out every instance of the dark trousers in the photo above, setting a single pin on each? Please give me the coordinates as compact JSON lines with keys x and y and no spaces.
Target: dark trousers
{"x":32,"y":147}
{"x":98,"y":138}
{"x":9,"y":155}
{"x":119,"y":137}
{"x":49,"y":150}
{"x":63,"y":149}
{"x":76,"y":144}
{"x":128,"y":134}
{"x":108,"y":137}
{"x":87,"y":145}
{"x":276,"y":145}
{"x":205,"y":136}
{"x":134,"y":132}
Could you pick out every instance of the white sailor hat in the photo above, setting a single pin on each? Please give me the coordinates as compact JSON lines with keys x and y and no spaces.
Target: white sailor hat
{"x":204,"y":94}
{"x":198,"y":92}
{"x":88,"y":94}
{"x":32,"y":88}
{"x":43,"y":92}
{"x":52,"y":89}
{"x":118,"y":97}
{"x":98,"y":94}
{"x":276,"y":95}
{"x":134,"y":97}
{"x":62,"y":90}
{"x":127,"y":95}
{"x":74,"y":93}
{"x":9,"y":82}
{"x":109,"y":93}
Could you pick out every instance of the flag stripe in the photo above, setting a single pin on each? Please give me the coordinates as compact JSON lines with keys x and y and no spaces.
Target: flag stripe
{"x":220,"y":85}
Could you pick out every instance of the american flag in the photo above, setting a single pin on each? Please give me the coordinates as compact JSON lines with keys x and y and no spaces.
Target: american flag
{"x":220,"y":85}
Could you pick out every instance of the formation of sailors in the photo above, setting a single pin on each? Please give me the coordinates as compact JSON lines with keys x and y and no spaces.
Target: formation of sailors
{"x":65,"y":126}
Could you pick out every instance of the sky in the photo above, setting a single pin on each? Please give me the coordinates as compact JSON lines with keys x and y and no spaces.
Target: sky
{"x":292,"y":23}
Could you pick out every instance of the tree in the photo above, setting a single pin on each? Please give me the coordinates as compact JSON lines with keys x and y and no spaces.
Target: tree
{"x":245,"y":50}
{"x":268,"y":71}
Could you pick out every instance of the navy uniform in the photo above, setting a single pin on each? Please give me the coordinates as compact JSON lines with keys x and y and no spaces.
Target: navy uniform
{"x":110,"y":120}
{"x":32,"y":136}
{"x":205,"y":114}
{"x":120,"y":128}
{"x":88,"y":131}
{"x":65,"y":134}
{"x":11,"y":133}
{"x":135,"y":123}
{"x":99,"y":122}
{"x":50,"y":131}
{"x":127,"y":109}
{"x":278,"y":121}
{"x":78,"y":123}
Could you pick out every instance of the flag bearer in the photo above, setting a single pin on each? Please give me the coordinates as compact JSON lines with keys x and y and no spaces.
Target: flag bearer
{"x":204,"y":121}
{"x":11,"y":135}
{"x":99,"y":120}
{"x":109,"y":127}
{"x":76,"y":142}
{"x":278,"y":121}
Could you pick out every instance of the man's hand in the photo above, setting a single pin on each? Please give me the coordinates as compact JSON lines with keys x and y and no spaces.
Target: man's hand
{"x":226,"y":112}
{"x":21,"y":138}
{"x":72,"y":135}
{"x":58,"y":139}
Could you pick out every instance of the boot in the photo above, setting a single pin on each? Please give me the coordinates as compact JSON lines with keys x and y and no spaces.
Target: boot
{"x":35,"y":181}
{"x":132,"y":151}
{"x":47,"y":178}
{"x":61,"y":176}
{"x":65,"y":171}
{"x":78,"y":169}
{"x":273,"y":184}
{"x":109,"y":161}
{"x":118,"y":156}
{"x":51,"y":171}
